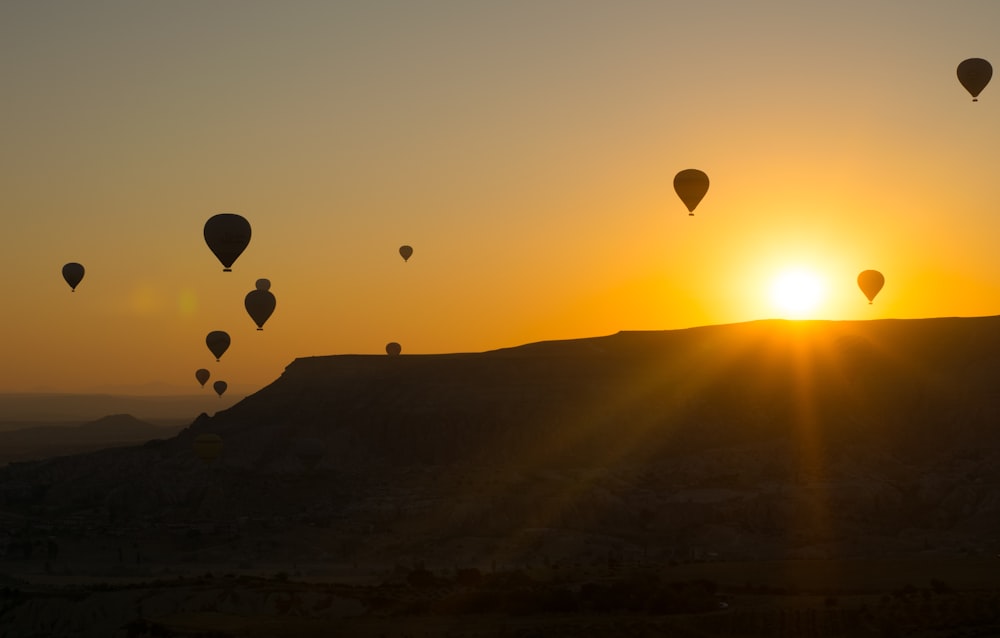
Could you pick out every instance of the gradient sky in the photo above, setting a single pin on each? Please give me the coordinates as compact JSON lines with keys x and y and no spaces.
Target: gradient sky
{"x":526,"y":150}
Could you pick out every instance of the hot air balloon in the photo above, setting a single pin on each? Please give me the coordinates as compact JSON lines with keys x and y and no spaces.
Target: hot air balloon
{"x":217,"y":342}
{"x":260,"y":303}
{"x":220,"y":387}
{"x":392,"y":348}
{"x":73,"y":274}
{"x":405,"y":252}
{"x":691,"y":185}
{"x":202,"y":375}
{"x":974,"y":74}
{"x":208,"y":447}
{"x":870,"y":282}
{"x":227,"y":235}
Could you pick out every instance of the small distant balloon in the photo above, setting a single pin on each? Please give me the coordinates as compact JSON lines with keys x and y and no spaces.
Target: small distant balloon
{"x":406,"y":252}
{"x":220,"y":387}
{"x":202,"y":375}
{"x":73,"y":274}
{"x":227,"y":235}
{"x":207,"y":447}
{"x":870,"y":282}
{"x":393,"y":349}
{"x":260,"y":303}
{"x":974,"y":74}
{"x":218,"y":342}
{"x":691,"y":186}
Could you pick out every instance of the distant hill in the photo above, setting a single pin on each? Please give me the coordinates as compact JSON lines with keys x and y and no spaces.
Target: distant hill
{"x":747,"y":440}
{"x":19,"y":410}
{"x":46,"y":441}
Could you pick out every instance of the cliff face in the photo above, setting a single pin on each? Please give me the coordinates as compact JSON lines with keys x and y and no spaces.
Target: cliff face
{"x":761,"y":435}
{"x":894,"y":385}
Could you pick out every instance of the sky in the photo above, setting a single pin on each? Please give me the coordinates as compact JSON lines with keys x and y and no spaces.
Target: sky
{"x":526,"y":150}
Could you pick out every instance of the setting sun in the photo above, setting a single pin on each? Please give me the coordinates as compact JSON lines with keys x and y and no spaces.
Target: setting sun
{"x":797,"y":292}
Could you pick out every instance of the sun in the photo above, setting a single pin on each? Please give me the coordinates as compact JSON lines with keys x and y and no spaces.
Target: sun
{"x":797,"y":292}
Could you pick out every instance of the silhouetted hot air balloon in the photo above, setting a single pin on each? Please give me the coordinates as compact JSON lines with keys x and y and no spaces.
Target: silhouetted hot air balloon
{"x":392,"y":348}
{"x":974,"y":74}
{"x":405,"y":252}
{"x":691,"y":185}
{"x":73,"y":274}
{"x":208,"y":447}
{"x":217,"y":342}
{"x":260,"y":303}
{"x":220,"y":387}
{"x":202,"y":375}
{"x":870,"y":282}
{"x":227,"y":235}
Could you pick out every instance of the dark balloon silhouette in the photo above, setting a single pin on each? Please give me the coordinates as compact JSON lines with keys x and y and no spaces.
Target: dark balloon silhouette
{"x":220,"y":387}
{"x":392,"y":348}
{"x":975,"y":74}
{"x":73,"y":274}
{"x":227,"y":235}
{"x":260,"y":303}
{"x":208,"y":447}
{"x":217,"y":342}
{"x":870,"y":282}
{"x":406,"y":252}
{"x":691,"y":186}
{"x":202,"y":375}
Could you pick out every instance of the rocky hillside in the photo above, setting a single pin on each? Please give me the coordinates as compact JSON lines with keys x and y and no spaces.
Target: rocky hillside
{"x":746,"y":440}
{"x":918,"y":390}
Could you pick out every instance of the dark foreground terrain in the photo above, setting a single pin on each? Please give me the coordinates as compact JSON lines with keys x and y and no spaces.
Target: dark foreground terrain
{"x":782,"y":598}
{"x":769,"y":478}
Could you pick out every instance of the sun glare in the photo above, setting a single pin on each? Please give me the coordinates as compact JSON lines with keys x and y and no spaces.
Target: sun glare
{"x":796,"y":293}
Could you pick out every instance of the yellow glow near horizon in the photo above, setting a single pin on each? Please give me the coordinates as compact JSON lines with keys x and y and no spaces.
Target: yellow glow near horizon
{"x":534,"y":182}
{"x":797,"y":292}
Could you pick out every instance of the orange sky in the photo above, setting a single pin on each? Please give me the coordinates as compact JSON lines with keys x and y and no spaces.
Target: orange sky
{"x":526,"y":151}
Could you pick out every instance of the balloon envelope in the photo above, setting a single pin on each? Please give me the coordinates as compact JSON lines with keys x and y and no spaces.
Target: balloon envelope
{"x":220,"y":387}
{"x":405,"y":252}
{"x":73,"y":274}
{"x":975,"y":74}
{"x":227,"y":235}
{"x":392,"y":348}
{"x":208,"y":447}
{"x":691,"y":186}
{"x":259,"y":304}
{"x":870,"y":282}
{"x":202,"y":375}
{"x":217,"y":342}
